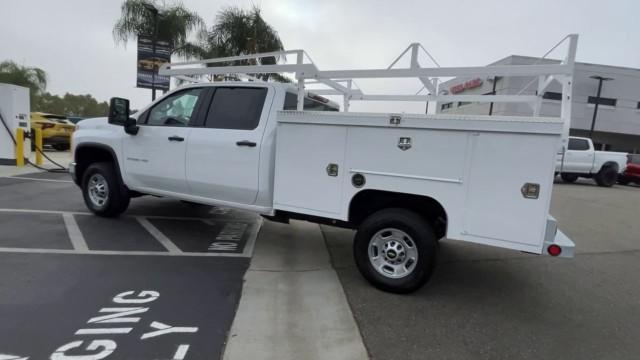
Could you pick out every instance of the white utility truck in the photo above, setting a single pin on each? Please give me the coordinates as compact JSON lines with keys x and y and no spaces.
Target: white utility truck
{"x":582,"y":160}
{"x":403,"y":181}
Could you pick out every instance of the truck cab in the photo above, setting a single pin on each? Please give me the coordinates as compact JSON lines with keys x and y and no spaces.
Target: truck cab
{"x":203,"y":143}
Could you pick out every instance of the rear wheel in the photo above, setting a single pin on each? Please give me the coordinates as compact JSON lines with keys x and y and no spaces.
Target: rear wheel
{"x":395,"y":250}
{"x":607,"y":176}
{"x":102,"y":190}
{"x":569,"y":178}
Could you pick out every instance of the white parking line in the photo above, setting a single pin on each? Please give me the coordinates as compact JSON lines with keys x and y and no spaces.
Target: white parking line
{"x":37,"y":179}
{"x":158,"y":235}
{"x":60,"y":212}
{"x":75,"y":235}
{"x":80,"y":246}
{"x":114,"y":252}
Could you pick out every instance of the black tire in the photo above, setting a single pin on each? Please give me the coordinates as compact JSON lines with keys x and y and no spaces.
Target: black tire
{"x":569,"y":178}
{"x":117,"y":197}
{"x":606,"y":177}
{"x":60,"y":147}
{"x":420,"y":235}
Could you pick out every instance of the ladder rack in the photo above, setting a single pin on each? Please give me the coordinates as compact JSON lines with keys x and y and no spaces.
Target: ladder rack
{"x":342,"y":82}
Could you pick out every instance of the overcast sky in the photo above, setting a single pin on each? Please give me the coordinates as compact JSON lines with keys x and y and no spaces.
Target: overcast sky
{"x":72,"y":40}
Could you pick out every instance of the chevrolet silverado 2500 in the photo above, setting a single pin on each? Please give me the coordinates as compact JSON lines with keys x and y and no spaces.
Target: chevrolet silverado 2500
{"x":402,"y":181}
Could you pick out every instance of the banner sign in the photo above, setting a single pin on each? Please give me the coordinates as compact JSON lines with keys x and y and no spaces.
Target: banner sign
{"x":471,"y":84}
{"x":149,"y":63}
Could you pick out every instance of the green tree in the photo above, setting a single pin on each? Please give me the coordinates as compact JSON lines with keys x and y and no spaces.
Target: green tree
{"x":31,"y":77}
{"x":240,"y":32}
{"x":175,"y":24}
{"x":69,"y":104}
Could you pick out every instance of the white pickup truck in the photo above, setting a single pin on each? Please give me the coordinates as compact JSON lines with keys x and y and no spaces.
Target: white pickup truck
{"x":403,"y":181}
{"x":582,"y":160}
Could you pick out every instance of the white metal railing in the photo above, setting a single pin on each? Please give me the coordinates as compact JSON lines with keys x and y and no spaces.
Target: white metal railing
{"x":342,"y":83}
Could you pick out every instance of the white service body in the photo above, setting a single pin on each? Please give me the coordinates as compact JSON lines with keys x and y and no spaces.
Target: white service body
{"x":15,"y":110}
{"x":459,"y":161}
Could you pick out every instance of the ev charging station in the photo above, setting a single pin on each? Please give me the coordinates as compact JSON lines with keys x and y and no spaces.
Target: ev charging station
{"x":14,"y":113}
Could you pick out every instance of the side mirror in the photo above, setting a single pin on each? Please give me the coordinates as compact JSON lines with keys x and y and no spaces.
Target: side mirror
{"x":118,"y":111}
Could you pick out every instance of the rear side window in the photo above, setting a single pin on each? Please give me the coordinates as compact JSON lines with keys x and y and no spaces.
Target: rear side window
{"x":291,"y":103}
{"x":578,"y":144}
{"x":236,"y":108}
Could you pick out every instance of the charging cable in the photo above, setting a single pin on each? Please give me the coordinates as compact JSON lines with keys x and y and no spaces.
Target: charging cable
{"x":60,"y":169}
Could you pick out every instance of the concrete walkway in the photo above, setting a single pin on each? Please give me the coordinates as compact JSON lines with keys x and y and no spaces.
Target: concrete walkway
{"x":61,"y":157}
{"x":293,"y":305}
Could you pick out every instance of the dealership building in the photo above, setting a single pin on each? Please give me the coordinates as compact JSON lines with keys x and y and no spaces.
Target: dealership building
{"x":617,"y":121}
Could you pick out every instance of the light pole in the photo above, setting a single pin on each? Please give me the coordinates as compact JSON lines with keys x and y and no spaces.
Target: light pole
{"x":493,"y":92}
{"x":595,"y":108}
{"x":153,"y":11}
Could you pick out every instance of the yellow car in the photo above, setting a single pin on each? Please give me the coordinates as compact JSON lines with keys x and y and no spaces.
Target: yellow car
{"x":56,"y":130}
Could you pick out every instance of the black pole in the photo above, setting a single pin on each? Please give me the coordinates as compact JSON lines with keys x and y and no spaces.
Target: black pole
{"x":155,"y":39}
{"x":595,"y":108}
{"x":493,"y":92}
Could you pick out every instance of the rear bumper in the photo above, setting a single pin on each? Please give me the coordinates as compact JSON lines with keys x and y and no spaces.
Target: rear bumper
{"x":555,"y":237}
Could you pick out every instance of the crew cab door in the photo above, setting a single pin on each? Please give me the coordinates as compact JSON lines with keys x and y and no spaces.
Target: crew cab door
{"x":579,"y":156}
{"x":154,"y":159}
{"x":223,"y":154}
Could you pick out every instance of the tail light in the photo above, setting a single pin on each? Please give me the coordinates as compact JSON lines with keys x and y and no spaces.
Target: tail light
{"x":554,"y":250}
{"x":47,"y":125}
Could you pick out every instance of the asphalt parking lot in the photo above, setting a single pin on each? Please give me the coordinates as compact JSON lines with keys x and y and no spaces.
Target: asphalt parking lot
{"x":158,"y":283}
{"x":166,"y":282}
{"x":485,"y":303}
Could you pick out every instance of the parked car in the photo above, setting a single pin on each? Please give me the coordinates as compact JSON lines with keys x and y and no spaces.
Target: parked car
{"x":56,"y":129}
{"x":631,"y":174}
{"x":582,"y":160}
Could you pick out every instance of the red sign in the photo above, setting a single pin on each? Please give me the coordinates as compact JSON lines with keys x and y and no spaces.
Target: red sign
{"x":471,"y":84}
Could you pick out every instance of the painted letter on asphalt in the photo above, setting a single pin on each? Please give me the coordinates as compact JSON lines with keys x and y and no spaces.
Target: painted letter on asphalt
{"x":144,"y":297}
{"x":106,"y":348}
{"x":117,"y":316}
{"x":166,"y":329}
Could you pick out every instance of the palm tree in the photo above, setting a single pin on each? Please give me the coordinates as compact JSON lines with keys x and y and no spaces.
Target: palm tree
{"x":175,"y":24}
{"x":241,"y":32}
{"x":31,"y":77}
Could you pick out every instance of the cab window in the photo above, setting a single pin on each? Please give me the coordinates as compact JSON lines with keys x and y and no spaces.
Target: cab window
{"x":237,"y":108}
{"x":291,"y":103}
{"x":578,"y":144}
{"x":175,"y":110}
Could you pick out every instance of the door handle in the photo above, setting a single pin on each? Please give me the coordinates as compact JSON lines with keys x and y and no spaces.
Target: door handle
{"x":246,"y":143}
{"x":176,"y":138}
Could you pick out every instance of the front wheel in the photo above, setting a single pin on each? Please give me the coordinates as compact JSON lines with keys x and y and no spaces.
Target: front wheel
{"x":395,"y":250}
{"x":102,"y":190}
